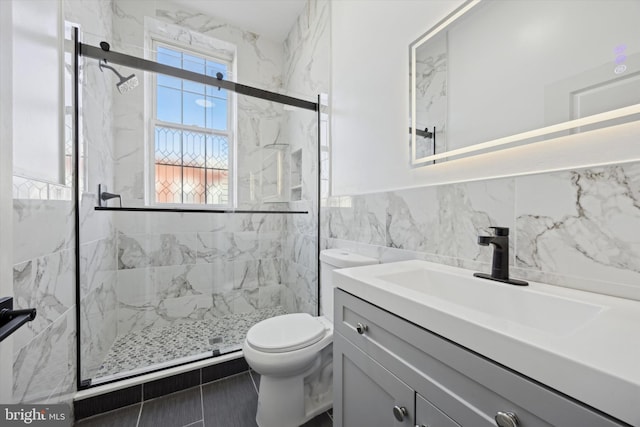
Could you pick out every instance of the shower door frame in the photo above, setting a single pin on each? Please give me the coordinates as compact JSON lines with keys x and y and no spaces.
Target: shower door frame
{"x":85,"y":50}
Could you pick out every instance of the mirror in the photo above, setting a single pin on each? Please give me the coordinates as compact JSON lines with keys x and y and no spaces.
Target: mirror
{"x":497,"y":74}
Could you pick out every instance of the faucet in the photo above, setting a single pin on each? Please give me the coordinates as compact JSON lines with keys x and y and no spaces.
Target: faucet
{"x":500,"y":267}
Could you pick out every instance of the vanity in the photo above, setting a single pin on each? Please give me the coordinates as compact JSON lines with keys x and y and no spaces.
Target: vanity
{"x":423,"y":344}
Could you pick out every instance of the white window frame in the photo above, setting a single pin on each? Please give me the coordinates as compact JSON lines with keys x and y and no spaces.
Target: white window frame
{"x":152,"y":121}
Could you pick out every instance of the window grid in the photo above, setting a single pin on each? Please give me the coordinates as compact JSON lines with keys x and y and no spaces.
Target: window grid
{"x":191,"y":167}
{"x":192,"y":154}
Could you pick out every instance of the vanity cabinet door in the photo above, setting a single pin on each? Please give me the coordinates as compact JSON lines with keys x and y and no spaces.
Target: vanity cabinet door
{"x":428,"y":415}
{"x":366,"y":394}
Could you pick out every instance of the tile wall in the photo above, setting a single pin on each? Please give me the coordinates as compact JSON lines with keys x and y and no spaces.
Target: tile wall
{"x":576,"y":228}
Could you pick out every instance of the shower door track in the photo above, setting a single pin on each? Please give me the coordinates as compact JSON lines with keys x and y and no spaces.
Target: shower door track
{"x":146,"y":65}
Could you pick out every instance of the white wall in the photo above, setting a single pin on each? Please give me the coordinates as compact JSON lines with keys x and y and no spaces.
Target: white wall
{"x":6,"y":221}
{"x":370,"y":108}
{"x":37,"y":89}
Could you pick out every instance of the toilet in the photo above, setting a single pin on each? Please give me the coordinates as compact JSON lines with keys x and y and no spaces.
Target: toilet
{"x":293,"y":354}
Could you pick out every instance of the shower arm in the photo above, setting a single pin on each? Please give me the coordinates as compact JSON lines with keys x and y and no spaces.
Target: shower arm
{"x":102,"y":65}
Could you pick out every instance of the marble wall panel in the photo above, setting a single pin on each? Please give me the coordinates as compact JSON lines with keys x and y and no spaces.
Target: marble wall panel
{"x":582,"y":224}
{"x":50,"y":223}
{"x":97,"y":260}
{"x":46,"y":284}
{"x":98,"y":325}
{"x":139,"y":251}
{"x":45,"y":367}
{"x":307,"y":71}
{"x":158,"y":296}
{"x":574,"y":228}
{"x":171,"y":222}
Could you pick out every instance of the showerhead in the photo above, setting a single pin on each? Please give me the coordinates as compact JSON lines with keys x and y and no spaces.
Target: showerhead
{"x":126,"y":83}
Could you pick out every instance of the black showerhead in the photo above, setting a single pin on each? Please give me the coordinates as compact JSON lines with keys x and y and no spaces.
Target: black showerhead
{"x":126,"y":83}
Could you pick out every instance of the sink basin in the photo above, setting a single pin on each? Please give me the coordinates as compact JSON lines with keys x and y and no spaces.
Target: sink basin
{"x":527,"y":307}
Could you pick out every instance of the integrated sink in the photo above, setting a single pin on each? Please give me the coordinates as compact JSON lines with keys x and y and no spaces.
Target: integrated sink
{"x":580,"y":343}
{"x":524,"y":306}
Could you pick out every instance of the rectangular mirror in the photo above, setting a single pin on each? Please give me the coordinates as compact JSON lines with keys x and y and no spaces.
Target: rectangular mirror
{"x":497,"y":74}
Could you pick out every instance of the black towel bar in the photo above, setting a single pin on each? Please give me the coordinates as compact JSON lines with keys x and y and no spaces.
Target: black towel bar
{"x":10,"y":319}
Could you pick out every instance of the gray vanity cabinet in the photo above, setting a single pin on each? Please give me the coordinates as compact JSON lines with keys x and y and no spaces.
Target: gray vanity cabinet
{"x":390,"y":372}
{"x":373,"y":393}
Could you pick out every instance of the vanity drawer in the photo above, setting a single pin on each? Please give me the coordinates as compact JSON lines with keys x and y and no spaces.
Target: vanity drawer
{"x":465,"y":386}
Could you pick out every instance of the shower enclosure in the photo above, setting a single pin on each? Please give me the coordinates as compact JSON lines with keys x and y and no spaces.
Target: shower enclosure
{"x":197,"y":203}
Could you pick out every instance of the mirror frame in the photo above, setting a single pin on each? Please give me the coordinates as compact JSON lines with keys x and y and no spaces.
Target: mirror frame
{"x":502,"y":142}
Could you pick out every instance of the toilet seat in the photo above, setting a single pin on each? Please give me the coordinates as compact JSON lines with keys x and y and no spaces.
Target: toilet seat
{"x":285,"y":333}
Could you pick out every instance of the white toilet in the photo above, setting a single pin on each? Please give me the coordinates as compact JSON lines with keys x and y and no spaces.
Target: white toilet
{"x":293,"y":354}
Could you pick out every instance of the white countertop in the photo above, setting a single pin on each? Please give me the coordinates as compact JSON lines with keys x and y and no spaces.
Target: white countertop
{"x":596,"y":362}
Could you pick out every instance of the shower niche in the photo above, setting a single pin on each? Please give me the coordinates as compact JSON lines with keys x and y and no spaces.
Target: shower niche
{"x":296,"y":175}
{"x":207,"y":175}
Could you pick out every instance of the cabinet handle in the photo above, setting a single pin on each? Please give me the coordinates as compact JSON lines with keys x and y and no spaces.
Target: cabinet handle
{"x":361,"y":328}
{"x":400,"y":412}
{"x":506,"y":419}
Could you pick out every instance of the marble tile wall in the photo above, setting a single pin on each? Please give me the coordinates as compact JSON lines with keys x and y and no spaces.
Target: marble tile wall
{"x":577,"y":228}
{"x":44,"y":249}
{"x":306,"y":72}
{"x":43,"y":278}
{"x":201,"y":267}
{"x":97,"y":234}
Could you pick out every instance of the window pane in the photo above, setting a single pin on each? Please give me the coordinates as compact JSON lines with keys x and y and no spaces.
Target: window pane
{"x":213,"y":91}
{"x":169,"y":57}
{"x":193,"y":144}
{"x":195,"y":64}
{"x":168,"y":184}
{"x":168,"y":148}
{"x":169,"y":81}
{"x":169,"y":105}
{"x":193,"y":188}
{"x":217,"y":152}
{"x":191,"y":166}
{"x":217,"y":114}
{"x":192,"y":87}
{"x":193,"y":109}
{"x":217,"y":187}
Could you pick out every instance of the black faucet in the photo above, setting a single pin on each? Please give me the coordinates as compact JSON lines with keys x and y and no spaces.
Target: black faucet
{"x":500,"y":267}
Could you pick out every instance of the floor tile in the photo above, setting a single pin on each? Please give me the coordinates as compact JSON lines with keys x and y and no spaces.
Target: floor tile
{"x":125,"y":417}
{"x":231,"y":402}
{"x":172,"y":384}
{"x":174,"y":410}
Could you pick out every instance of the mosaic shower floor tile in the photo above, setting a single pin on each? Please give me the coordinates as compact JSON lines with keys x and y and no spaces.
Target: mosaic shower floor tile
{"x":154,"y":345}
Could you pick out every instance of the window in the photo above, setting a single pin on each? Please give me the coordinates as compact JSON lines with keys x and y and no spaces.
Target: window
{"x":193,"y":144}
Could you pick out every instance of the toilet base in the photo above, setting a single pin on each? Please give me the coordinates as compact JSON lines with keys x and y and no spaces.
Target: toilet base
{"x":292,"y":401}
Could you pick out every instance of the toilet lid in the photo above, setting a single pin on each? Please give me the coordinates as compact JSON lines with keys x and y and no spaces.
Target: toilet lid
{"x":285,"y":333}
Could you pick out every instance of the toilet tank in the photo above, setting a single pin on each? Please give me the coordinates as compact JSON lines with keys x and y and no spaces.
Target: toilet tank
{"x":330,"y":259}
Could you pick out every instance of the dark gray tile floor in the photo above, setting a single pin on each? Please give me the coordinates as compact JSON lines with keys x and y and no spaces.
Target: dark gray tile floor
{"x":230,"y":402}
